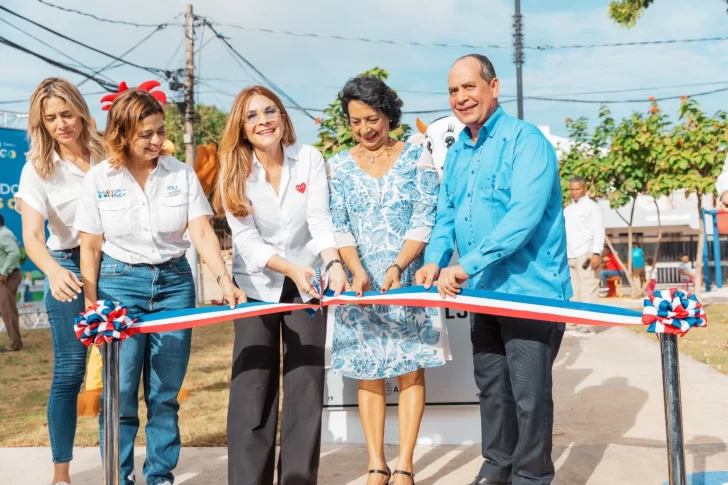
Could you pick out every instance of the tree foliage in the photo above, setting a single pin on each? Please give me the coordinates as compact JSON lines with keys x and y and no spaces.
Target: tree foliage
{"x":209,"y":125}
{"x":334,"y":133}
{"x":646,"y":154}
{"x":626,"y":12}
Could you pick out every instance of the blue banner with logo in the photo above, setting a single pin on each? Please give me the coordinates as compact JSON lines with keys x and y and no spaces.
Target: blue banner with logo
{"x":13,"y":145}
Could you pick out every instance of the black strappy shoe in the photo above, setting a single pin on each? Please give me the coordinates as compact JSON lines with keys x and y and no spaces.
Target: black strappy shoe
{"x":411,"y":475}
{"x":382,"y":472}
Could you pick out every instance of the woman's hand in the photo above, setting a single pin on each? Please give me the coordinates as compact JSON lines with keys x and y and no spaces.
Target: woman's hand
{"x":337,"y":279}
{"x":360,"y":283}
{"x":232,"y":294}
{"x":392,"y":279}
{"x":301,"y":276}
{"x":64,"y":285}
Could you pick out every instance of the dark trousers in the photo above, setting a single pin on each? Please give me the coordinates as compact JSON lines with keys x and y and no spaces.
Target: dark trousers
{"x":513,"y":359}
{"x":253,"y":408}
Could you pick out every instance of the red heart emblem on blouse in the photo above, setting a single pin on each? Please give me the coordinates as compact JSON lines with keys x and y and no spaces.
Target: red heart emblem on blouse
{"x":301,"y":187}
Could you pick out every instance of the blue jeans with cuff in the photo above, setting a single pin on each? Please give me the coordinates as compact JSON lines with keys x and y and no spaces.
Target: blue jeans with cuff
{"x":157,"y":360}
{"x":69,"y":362}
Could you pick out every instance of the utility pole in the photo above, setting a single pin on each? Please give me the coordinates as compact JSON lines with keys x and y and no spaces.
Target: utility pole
{"x":518,"y":55}
{"x":189,"y":136}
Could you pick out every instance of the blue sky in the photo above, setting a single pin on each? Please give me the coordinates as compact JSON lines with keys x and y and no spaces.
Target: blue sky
{"x":312,"y":69}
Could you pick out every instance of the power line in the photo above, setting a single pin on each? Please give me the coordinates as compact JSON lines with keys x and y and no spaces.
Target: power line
{"x":155,"y":71}
{"x":26,"y":100}
{"x":104,"y":84}
{"x":544,"y":47}
{"x":53,"y":48}
{"x":272,"y":85}
{"x":100,"y":19}
{"x":621,"y":101}
{"x":147,"y":37}
{"x":628,"y":44}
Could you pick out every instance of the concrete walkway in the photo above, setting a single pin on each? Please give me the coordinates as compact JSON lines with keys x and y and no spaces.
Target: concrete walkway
{"x":609,"y":429}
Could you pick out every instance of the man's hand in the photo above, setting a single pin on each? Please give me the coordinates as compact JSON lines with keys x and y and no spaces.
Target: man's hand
{"x":448,"y":284}
{"x":596,"y":261}
{"x":427,"y":275}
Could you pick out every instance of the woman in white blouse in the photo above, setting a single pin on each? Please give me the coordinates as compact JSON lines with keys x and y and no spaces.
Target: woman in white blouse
{"x":63,"y":146}
{"x":275,"y":196}
{"x":136,"y":207}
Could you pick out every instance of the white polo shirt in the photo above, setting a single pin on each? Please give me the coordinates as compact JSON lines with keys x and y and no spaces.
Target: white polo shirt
{"x":584,"y":228}
{"x":295,"y":224}
{"x":141,"y":226}
{"x":55,"y":199}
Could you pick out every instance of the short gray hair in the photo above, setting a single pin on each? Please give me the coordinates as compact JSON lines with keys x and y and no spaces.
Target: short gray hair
{"x":487,"y":70}
{"x":576,"y":179}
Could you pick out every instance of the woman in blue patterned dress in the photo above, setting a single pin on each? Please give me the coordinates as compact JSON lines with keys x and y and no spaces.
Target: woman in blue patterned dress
{"x":383,"y":202}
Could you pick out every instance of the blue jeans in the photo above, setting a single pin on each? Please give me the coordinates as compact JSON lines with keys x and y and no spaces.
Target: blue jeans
{"x":69,"y":363}
{"x":160,"y":357}
{"x":609,"y":273}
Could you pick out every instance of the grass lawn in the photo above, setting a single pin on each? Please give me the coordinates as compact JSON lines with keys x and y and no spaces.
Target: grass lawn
{"x":25,"y":379}
{"x":708,"y":345}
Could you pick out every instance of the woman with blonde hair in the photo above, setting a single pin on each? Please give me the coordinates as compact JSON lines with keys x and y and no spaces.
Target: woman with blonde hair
{"x":64,"y":144}
{"x":137,"y":206}
{"x":275,"y":196}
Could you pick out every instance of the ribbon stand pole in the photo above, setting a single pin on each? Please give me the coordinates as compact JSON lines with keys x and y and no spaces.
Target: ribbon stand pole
{"x":111,"y":412}
{"x":673,"y":409}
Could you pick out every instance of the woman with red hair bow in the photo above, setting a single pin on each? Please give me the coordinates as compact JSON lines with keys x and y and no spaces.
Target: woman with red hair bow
{"x":136,"y":207}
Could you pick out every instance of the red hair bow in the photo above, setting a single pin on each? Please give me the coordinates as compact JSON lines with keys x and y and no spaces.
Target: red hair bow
{"x":145,"y":86}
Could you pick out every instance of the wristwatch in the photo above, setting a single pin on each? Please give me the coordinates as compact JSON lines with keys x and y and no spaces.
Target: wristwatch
{"x":217,"y":279}
{"x":395,"y":265}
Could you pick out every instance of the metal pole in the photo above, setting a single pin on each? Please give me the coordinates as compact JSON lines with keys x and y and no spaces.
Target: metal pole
{"x":189,"y":135}
{"x":111,"y":412}
{"x":706,"y":257}
{"x":673,"y":409}
{"x":716,"y":251}
{"x":518,"y":56}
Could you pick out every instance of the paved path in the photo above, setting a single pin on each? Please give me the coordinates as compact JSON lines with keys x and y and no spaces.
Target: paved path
{"x":609,"y":428}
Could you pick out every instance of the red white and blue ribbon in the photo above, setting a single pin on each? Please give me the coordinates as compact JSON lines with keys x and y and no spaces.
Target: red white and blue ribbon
{"x":470,"y":300}
{"x":667,"y":311}
{"x":673,"y":312}
{"x":102,"y":322}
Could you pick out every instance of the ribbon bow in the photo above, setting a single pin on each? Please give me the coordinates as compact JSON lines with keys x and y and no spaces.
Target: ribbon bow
{"x":145,"y":86}
{"x":102,"y":322}
{"x":673,"y":312}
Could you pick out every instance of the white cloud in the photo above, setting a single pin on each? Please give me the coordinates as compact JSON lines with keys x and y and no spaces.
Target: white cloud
{"x":310,"y":69}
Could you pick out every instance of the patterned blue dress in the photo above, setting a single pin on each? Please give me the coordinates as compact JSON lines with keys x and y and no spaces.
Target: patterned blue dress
{"x":377,"y":215}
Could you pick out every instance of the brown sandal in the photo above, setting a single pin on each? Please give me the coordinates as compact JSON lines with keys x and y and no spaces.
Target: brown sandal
{"x":411,"y":475}
{"x":382,"y":472}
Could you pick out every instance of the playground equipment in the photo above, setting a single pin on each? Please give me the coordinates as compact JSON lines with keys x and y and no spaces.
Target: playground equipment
{"x":719,"y":227}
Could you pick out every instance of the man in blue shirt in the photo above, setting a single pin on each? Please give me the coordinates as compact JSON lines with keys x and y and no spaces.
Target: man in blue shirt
{"x":500,"y":199}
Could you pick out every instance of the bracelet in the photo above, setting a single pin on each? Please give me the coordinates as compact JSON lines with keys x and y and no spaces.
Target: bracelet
{"x":217,"y":280}
{"x":331,"y":263}
{"x":395,"y":265}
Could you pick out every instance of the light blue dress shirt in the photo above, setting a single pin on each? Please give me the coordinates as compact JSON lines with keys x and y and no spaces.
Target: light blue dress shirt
{"x":500,"y":199}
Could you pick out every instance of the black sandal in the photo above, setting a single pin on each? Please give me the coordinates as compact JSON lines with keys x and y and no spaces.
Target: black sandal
{"x":411,"y":475}
{"x":382,"y":472}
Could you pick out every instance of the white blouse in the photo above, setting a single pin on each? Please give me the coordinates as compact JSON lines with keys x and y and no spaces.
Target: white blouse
{"x":142,"y":226}
{"x":295,"y":225}
{"x":55,"y":199}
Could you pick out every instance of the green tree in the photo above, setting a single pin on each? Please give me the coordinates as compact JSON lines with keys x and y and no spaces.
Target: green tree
{"x":626,"y":12}
{"x":209,"y":125}
{"x":693,"y":159}
{"x":334,"y":133}
{"x":618,"y":162}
